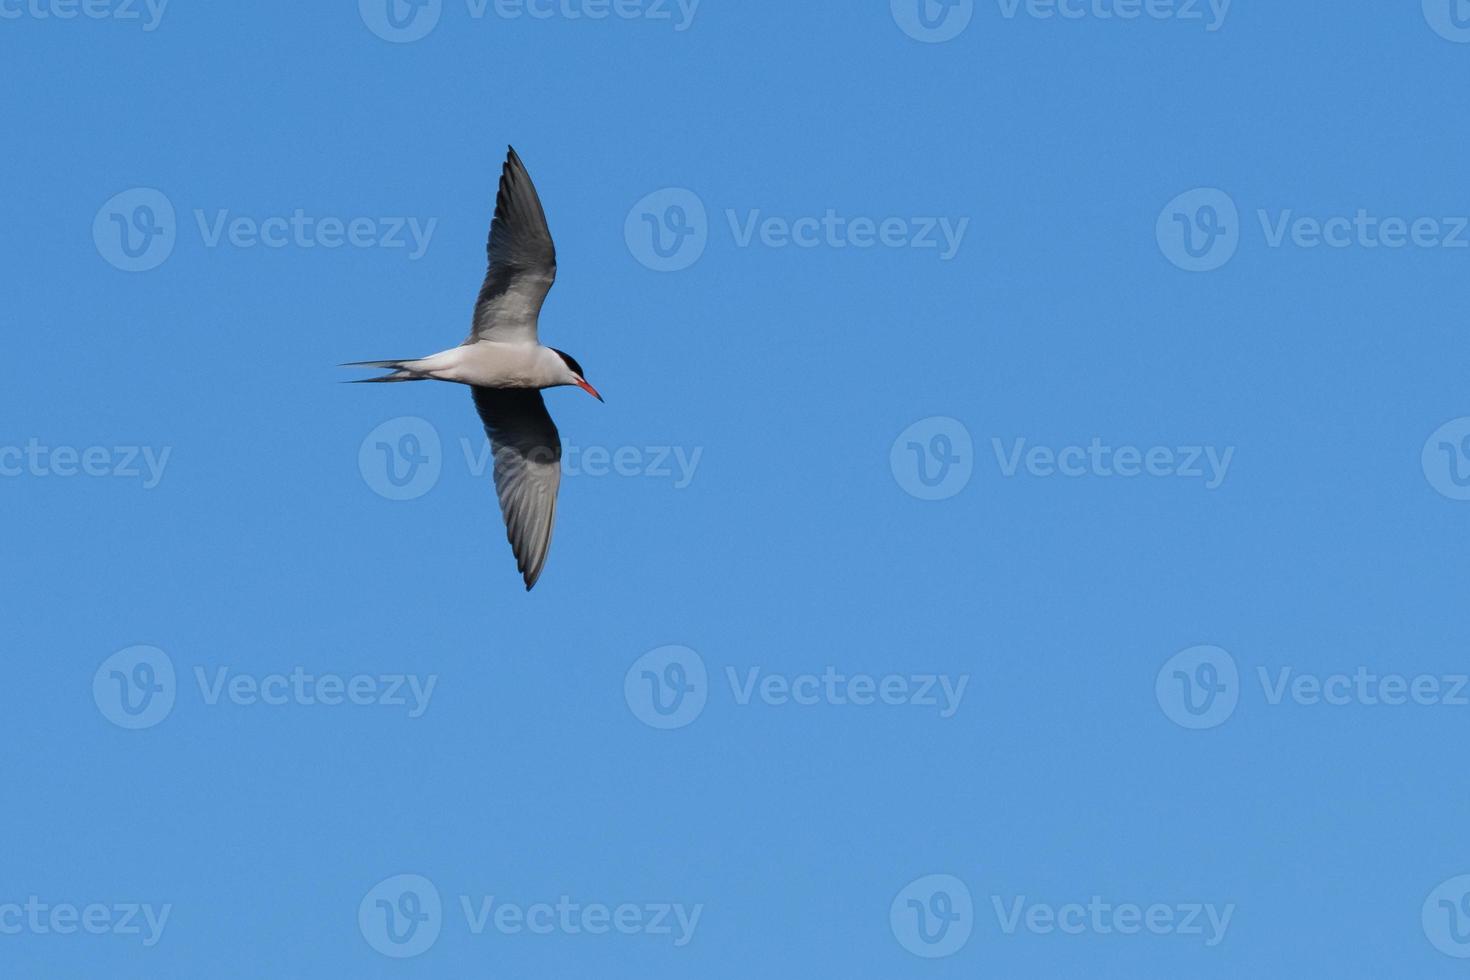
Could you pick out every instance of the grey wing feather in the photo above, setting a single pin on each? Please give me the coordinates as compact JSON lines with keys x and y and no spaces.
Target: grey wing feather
{"x":527,"y":452}
{"x":522,"y":261}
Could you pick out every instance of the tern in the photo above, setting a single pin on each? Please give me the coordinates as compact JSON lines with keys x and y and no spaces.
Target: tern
{"x":506,"y":367}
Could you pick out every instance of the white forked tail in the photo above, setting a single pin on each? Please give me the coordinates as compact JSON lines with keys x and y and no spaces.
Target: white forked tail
{"x":455,"y":364}
{"x":402,"y":371}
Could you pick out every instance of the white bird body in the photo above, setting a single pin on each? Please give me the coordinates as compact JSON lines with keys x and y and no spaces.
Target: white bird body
{"x":505,"y":365}
{"x":496,"y":364}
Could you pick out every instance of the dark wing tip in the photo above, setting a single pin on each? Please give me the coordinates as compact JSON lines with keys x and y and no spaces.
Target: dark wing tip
{"x":532,"y":566}
{"x":530,"y":572}
{"x":512,"y":174}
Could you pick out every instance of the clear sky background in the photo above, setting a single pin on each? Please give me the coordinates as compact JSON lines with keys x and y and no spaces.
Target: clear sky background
{"x":900,"y":462}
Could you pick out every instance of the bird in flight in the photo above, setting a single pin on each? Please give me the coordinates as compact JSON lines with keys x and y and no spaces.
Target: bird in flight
{"x":505,"y":366}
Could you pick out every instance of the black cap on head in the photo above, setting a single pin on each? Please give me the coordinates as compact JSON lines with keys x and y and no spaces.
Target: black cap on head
{"x":570,"y":360}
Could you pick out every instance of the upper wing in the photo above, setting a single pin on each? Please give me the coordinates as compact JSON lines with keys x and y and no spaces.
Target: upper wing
{"x":527,"y":453}
{"x":522,"y":261}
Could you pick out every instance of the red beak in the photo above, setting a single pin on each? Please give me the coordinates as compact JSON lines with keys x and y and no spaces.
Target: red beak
{"x":582,"y":383}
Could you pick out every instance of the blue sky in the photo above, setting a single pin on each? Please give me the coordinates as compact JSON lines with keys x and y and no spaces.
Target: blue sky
{"x":1022,"y":537}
